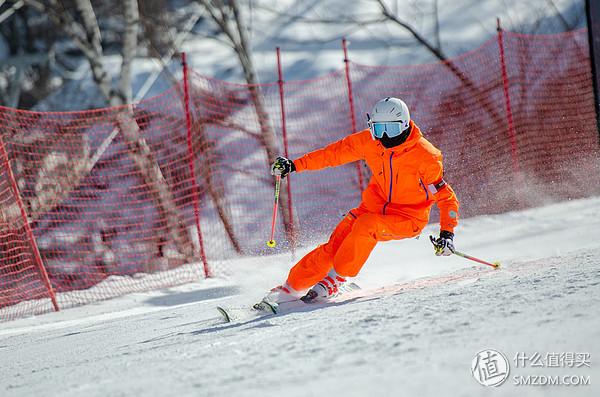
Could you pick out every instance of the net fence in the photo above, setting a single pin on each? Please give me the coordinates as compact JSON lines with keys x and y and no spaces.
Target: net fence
{"x":96,"y":204}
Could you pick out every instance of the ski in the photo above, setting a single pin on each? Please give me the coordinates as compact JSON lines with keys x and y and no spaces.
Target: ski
{"x":265,"y":308}
{"x":259,"y":309}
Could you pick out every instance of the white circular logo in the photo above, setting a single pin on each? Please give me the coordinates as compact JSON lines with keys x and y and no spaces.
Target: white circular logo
{"x":490,"y":367}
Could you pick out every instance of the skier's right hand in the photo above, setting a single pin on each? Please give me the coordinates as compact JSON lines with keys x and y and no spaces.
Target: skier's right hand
{"x":282,"y":167}
{"x":444,"y":244}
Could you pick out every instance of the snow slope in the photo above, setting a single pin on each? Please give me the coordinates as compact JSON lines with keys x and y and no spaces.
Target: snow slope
{"x":416,"y":331}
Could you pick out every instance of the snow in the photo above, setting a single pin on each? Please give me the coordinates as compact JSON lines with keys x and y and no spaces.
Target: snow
{"x":419,"y":323}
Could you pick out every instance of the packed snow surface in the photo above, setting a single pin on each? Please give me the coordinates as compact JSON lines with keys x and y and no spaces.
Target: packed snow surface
{"x":413,"y":329}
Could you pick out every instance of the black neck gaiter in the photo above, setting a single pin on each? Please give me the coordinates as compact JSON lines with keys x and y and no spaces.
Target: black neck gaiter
{"x":389,"y":143}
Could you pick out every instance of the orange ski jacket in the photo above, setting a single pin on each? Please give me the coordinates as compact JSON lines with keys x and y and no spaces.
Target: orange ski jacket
{"x":407,"y":179}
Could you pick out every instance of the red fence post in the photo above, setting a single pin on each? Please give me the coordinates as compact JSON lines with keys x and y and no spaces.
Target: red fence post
{"x":511,"y":127}
{"x":188,"y":120}
{"x":351,"y":102}
{"x":285,"y":149}
{"x":36,"y":252}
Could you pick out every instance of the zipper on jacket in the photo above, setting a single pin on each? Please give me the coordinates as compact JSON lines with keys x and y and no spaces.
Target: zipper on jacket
{"x":391,"y":183}
{"x":424,"y":187}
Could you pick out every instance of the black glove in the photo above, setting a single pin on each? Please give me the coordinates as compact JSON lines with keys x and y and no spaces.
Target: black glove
{"x":444,"y":244}
{"x":282,"y":166}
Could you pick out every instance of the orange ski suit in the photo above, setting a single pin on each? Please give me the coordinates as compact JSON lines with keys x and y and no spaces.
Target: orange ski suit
{"x":406,"y":181}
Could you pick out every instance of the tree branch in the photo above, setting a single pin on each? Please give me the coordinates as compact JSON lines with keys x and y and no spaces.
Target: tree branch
{"x":87,"y":38}
{"x":436,"y":25}
{"x":334,"y":21}
{"x":218,"y":16}
{"x":132,"y":22}
{"x":11,"y":10}
{"x":566,"y":25}
{"x":438,"y":53}
{"x":92,"y":33}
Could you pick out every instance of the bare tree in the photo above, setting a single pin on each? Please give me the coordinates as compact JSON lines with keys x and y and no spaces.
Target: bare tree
{"x":436,"y":24}
{"x":566,"y":25}
{"x":439,"y":54}
{"x":86,"y":35}
{"x":542,"y":16}
{"x":226,"y":15}
{"x":25,"y":74}
{"x":203,"y":149}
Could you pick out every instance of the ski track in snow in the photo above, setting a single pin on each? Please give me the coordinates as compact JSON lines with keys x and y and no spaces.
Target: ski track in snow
{"x":413,"y":336}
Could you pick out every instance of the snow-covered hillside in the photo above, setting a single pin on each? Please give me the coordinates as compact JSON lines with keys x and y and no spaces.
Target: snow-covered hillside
{"x":414,"y":329}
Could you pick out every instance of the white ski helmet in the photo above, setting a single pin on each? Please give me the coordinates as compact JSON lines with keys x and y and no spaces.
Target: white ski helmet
{"x":391,"y":109}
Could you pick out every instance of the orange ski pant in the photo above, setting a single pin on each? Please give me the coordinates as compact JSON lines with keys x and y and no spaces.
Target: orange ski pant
{"x":349,"y":246}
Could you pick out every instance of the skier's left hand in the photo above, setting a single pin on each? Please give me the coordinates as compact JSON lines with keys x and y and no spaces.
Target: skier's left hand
{"x":282,"y":167}
{"x":444,"y":244}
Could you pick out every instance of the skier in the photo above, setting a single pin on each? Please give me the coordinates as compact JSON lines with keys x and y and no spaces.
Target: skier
{"x":407,"y":179}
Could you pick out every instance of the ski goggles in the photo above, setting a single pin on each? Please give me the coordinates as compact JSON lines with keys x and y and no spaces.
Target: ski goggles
{"x":389,"y":128}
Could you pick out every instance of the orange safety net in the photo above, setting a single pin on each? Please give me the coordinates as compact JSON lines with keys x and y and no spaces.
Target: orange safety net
{"x":95,"y":204}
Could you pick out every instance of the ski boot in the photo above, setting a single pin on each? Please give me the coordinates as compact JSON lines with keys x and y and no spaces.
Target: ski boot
{"x":280,"y":294}
{"x":330,"y":287}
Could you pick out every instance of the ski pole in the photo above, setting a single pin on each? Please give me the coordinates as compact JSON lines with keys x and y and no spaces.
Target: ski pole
{"x":495,"y":265}
{"x":272,"y":243}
